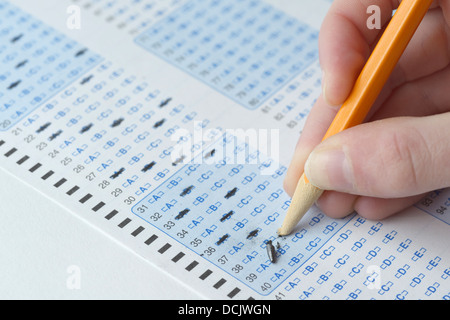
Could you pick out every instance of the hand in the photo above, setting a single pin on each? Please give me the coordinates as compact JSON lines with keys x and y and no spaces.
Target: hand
{"x":402,"y":151}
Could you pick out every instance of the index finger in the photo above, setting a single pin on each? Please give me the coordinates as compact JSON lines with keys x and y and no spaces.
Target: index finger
{"x":344,"y":46}
{"x":319,"y":118}
{"x":347,"y":35}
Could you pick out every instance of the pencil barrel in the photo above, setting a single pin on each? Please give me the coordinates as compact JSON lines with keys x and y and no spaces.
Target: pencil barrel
{"x":380,"y":65}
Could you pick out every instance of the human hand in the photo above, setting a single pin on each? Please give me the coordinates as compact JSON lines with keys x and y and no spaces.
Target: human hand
{"x":402,"y":151}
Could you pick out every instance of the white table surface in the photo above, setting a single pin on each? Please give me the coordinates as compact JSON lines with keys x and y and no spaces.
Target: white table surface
{"x":48,"y":253}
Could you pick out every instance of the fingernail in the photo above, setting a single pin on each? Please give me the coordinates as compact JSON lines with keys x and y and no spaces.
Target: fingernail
{"x":330,"y":169}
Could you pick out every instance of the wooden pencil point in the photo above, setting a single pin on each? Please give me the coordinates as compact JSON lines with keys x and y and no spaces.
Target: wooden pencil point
{"x":305,"y":195}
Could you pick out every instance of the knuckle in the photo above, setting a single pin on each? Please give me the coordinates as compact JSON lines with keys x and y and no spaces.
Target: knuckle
{"x":403,"y":159}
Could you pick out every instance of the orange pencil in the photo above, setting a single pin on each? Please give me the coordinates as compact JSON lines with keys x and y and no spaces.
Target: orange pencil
{"x":367,"y":87}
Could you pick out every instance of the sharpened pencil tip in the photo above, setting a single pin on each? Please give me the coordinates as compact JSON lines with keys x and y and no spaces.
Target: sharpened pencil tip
{"x":304,"y":197}
{"x":283,"y":231}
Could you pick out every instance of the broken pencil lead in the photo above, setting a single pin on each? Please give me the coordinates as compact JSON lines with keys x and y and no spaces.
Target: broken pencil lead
{"x":271,"y":252}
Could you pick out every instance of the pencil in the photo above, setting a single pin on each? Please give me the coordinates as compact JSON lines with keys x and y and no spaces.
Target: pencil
{"x":367,"y":87}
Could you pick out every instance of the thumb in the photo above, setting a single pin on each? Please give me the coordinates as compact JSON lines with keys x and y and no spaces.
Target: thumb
{"x":390,"y":158}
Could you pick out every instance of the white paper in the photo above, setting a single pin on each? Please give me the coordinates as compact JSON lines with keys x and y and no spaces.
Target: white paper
{"x":168,"y":125}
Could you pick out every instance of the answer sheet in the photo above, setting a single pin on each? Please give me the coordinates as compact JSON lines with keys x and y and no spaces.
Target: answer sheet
{"x":169,"y":125}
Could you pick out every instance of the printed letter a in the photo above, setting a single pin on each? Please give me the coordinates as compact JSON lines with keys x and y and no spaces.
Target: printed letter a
{"x":374,"y":21}
{"x":74,"y":18}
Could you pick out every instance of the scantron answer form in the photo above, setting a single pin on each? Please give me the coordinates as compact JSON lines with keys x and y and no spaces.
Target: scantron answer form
{"x":169,"y":125}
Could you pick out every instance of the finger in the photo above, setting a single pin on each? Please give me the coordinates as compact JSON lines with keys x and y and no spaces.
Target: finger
{"x":345,"y":43}
{"x":343,"y":55}
{"x":315,"y":127}
{"x":428,"y":51}
{"x":390,"y":158}
{"x":422,"y":97}
{"x":379,"y":208}
{"x":321,"y":113}
{"x":445,"y":5}
{"x":336,"y":204}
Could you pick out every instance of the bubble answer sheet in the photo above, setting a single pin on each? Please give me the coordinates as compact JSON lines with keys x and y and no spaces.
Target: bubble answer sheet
{"x":169,"y":125}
